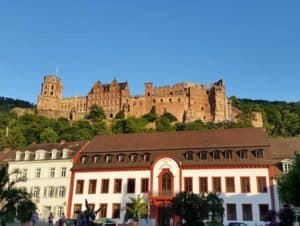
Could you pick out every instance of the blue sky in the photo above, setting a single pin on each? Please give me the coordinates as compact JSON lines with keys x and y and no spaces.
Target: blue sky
{"x":253,"y":45}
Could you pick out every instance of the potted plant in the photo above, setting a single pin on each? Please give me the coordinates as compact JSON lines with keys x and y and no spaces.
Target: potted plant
{"x":137,"y":210}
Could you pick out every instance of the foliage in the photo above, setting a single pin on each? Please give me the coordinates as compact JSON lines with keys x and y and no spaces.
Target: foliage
{"x":137,"y":209}
{"x":286,"y":216}
{"x":13,"y":201}
{"x":169,"y":116}
{"x":215,"y":205}
{"x":163,"y":124}
{"x":190,"y":207}
{"x":289,"y":184}
{"x":280,"y":118}
{"x":120,"y":115}
{"x":151,"y":116}
{"x":96,"y":113}
{"x":48,"y":135}
{"x":6,"y":104}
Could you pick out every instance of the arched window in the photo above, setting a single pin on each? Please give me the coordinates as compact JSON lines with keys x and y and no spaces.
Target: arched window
{"x":166,"y":183}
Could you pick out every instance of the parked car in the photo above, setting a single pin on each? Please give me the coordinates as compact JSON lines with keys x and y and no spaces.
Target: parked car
{"x":237,"y":224}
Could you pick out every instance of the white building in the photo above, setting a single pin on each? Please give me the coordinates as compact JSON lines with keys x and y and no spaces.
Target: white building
{"x":46,"y":172}
{"x":236,"y":163}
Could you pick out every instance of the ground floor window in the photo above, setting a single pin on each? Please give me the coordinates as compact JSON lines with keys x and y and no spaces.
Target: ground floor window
{"x":247,"y":212}
{"x":116,"y":210}
{"x":231,"y":212}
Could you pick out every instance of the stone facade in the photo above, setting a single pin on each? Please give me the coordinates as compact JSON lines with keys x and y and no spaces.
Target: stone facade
{"x":187,"y":101}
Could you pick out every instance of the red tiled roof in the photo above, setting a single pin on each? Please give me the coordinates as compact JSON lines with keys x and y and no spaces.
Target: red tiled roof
{"x":284,"y":147}
{"x":240,"y":137}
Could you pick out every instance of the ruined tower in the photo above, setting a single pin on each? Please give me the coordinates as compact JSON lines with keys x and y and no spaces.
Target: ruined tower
{"x":51,"y":94}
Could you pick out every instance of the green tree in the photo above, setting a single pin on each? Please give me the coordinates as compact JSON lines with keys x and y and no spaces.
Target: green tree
{"x":122,"y":126}
{"x":168,"y":115}
{"x":151,"y":116}
{"x":163,"y":124}
{"x":189,"y":206}
{"x":215,"y":206}
{"x":120,"y":115}
{"x":137,"y":209}
{"x":289,"y":185}
{"x":96,"y":113}
{"x":48,"y":135}
{"x":13,"y":201}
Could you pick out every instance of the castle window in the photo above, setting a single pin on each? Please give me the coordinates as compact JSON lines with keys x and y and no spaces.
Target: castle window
{"x":204,"y":117}
{"x":202,"y":108}
{"x":161,"y":100}
{"x":203,"y":155}
{"x":52,"y":87}
{"x":51,"y":93}
{"x":153,"y":100}
{"x":111,"y":115}
{"x":148,"y":94}
{"x":188,"y":155}
{"x":207,"y":92}
{"x":45,"y":93}
{"x":179,"y":100}
{"x":170,"y":100}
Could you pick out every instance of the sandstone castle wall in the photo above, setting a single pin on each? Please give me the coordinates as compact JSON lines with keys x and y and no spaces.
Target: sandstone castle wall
{"x":187,"y":101}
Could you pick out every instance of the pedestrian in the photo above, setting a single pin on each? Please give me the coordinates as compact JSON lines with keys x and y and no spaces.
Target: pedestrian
{"x":50,"y":220}
{"x":62,"y":220}
{"x":34,"y":218}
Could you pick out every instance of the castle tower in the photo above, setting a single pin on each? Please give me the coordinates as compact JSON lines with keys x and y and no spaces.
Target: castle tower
{"x":219,"y":101}
{"x":51,"y":94}
{"x":148,"y":89}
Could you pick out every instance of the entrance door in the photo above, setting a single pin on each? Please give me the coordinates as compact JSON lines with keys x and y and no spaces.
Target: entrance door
{"x":164,"y":215}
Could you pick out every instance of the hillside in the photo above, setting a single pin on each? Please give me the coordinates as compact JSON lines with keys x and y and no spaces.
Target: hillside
{"x":17,"y":131}
{"x":6,"y":104}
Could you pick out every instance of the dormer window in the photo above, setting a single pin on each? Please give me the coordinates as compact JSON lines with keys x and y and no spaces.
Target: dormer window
{"x":203,"y":155}
{"x":55,"y":154}
{"x":227,"y":154}
{"x":243,"y":154}
{"x":216,"y":155}
{"x":188,"y":155}
{"x":133,"y":157}
{"x":258,"y":153}
{"x":121,"y":158}
{"x":108,"y":158}
{"x":96,"y":158}
{"x":83,"y":159}
{"x":146,"y":157}
{"x":287,"y":164}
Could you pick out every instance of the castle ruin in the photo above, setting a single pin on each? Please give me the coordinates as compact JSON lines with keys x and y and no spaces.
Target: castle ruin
{"x":187,"y":101}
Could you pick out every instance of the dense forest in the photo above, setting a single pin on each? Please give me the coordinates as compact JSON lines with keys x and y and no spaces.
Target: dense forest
{"x":280,"y":118}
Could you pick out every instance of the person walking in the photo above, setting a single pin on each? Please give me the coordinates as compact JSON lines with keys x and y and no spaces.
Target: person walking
{"x":50,"y":219}
{"x":34,"y":218}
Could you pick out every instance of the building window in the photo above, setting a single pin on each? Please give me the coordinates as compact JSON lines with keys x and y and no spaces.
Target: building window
{"x":243,"y":154}
{"x":62,"y":191}
{"x":108,"y":158}
{"x":83,"y":159}
{"x":258,"y":153}
{"x":133,"y":157}
{"x":146,"y":157}
{"x":188,"y":155}
{"x":216,"y":184}
{"x":24,"y":173}
{"x":52,"y":172}
{"x":96,"y":158}
{"x":203,"y":186}
{"x":227,"y":154}
{"x":121,"y":158}
{"x":231,"y":212}
{"x":261,"y":184}
{"x":59,"y":211}
{"x":131,"y":186}
{"x":216,"y":155}
{"x":38,"y":173}
{"x":287,"y":165}
{"x":105,"y":186}
{"x":245,"y":184}
{"x":116,"y":207}
{"x":103,"y":210}
{"x":63,"y":172}
{"x":79,"y":186}
{"x":118,"y":186}
{"x":144,"y":185}
{"x":77,"y":209}
{"x":229,"y":181}
{"x":35,"y":192}
{"x":188,"y":184}
{"x":263,"y":210}
{"x":92,"y":186}
{"x":203,"y":155}
{"x":166,"y":183}
{"x":50,"y":191}
{"x":247,"y":212}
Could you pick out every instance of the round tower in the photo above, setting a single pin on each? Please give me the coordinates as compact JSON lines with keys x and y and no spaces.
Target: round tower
{"x":51,"y":94}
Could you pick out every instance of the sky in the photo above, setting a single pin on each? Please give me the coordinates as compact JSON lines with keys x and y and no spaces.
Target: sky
{"x":254,"y":46}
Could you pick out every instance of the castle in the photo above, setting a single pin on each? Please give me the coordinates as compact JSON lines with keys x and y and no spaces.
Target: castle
{"x":187,"y":101}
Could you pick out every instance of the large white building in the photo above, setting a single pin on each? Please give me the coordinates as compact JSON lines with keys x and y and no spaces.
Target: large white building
{"x":46,"y":172}
{"x":236,"y":163}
